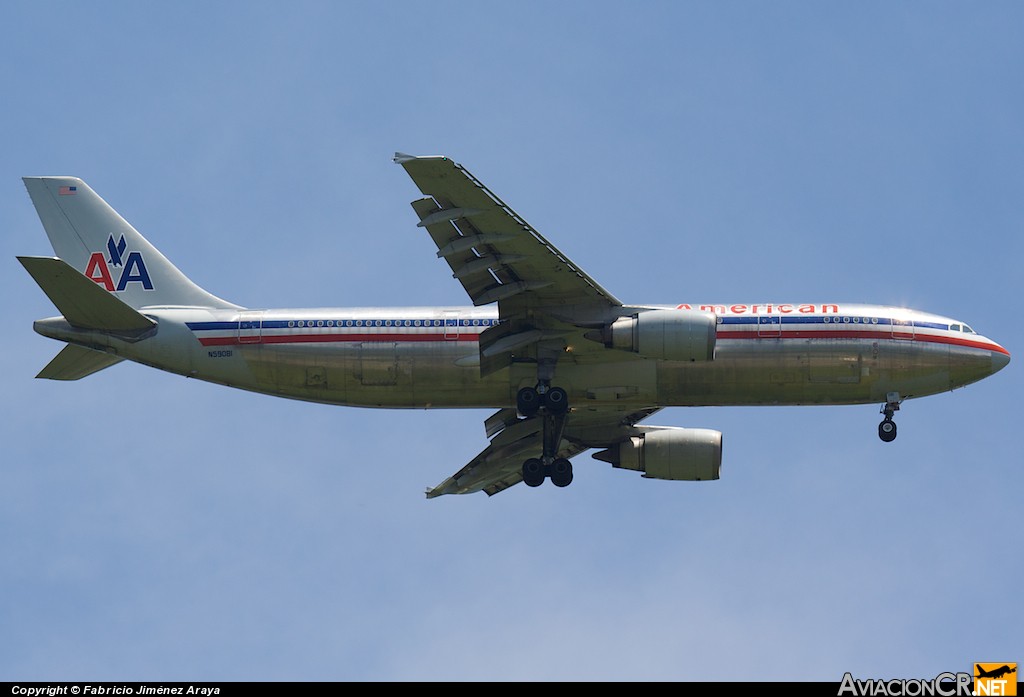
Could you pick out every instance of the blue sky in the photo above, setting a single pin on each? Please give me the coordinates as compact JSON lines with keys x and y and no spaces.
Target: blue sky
{"x":153,"y":527}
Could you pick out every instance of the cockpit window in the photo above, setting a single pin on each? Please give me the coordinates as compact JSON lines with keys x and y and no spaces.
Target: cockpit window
{"x":961,"y":328}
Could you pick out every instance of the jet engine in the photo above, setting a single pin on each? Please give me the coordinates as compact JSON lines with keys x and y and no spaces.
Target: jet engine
{"x":688,"y":454}
{"x":673,"y":335}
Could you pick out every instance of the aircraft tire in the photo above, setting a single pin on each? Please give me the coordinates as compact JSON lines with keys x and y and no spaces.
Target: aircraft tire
{"x":887,"y":430}
{"x":557,"y":401}
{"x":561,"y":472}
{"x":528,"y":401}
{"x":533,"y":472}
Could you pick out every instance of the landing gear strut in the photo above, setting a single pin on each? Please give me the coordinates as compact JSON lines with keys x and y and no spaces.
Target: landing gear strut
{"x":887,"y":429}
{"x":551,"y":404}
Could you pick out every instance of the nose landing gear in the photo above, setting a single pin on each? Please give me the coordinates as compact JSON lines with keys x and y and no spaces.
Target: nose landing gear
{"x":887,"y":429}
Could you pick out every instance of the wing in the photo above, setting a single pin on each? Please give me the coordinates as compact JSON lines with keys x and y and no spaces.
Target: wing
{"x":544,"y":299}
{"x":499,"y":466}
{"x":492,"y":251}
{"x":546,"y":305}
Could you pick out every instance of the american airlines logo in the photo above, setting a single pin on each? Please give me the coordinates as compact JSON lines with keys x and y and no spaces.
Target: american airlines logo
{"x":129,"y":269}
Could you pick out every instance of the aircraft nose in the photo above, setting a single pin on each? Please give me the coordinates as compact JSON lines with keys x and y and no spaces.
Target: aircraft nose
{"x":1000,"y":359}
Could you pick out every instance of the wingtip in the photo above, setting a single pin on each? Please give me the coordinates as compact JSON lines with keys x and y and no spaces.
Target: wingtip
{"x":401,"y":158}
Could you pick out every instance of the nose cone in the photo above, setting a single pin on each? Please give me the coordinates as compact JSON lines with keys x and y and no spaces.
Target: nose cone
{"x":1000,"y":359}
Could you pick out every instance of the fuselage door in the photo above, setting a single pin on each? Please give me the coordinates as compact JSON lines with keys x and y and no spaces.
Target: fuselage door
{"x":451,"y":325}
{"x":902,"y":328}
{"x":250,"y":327}
{"x":769,"y":326}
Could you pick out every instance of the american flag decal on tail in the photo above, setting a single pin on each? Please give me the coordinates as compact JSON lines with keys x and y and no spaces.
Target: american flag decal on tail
{"x":67,"y":190}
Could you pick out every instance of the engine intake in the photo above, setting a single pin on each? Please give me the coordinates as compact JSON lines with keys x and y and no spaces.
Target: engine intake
{"x":681,"y":454}
{"x":672,"y":335}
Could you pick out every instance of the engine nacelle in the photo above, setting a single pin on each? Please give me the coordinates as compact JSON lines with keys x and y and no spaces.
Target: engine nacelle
{"x":673,"y":335}
{"x":688,"y":454}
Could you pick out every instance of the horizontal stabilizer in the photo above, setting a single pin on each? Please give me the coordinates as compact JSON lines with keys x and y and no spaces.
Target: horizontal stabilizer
{"x":82,"y":302}
{"x":77,"y":362}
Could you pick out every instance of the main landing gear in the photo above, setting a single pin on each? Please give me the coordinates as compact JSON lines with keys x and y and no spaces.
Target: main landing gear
{"x":887,"y":429}
{"x":551,"y":404}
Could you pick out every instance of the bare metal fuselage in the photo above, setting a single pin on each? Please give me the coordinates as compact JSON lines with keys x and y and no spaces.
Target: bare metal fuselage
{"x":429,"y":357}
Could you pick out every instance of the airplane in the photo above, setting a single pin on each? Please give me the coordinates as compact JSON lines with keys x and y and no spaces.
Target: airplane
{"x":566,"y":364}
{"x":995,"y":673}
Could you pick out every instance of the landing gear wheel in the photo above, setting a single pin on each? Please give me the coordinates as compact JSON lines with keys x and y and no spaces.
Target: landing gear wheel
{"x":887,"y":430}
{"x":556,"y":400}
{"x":533,"y":472}
{"x":561,"y":472}
{"x":528,"y":401}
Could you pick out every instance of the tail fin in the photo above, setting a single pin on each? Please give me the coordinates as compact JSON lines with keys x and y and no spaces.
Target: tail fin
{"x":90,"y":236}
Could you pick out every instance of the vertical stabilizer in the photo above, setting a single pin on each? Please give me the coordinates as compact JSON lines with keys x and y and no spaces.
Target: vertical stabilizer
{"x":90,"y":236}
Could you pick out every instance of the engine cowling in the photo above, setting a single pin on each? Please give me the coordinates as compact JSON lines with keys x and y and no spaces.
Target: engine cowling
{"x":673,"y":335}
{"x":681,"y":454}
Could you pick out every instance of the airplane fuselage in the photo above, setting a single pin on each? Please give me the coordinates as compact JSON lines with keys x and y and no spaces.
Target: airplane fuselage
{"x":777,"y":354}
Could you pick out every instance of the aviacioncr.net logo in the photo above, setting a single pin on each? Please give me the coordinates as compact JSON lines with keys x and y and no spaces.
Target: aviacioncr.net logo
{"x":995,"y":679}
{"x":943,"y":685}
{"x":129,"y":269}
